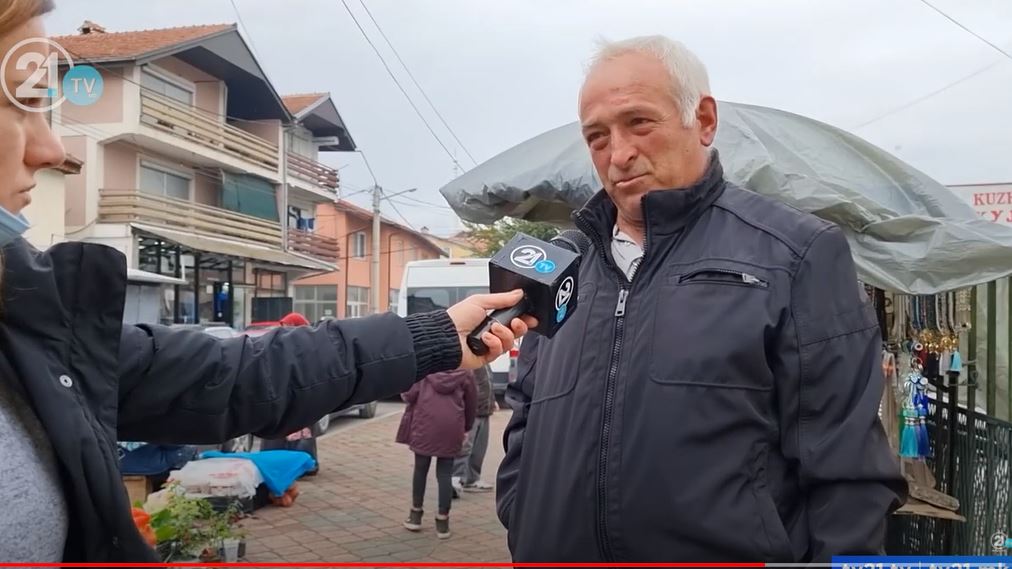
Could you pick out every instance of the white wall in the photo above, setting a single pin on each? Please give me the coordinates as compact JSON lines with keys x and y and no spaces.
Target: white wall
{"x":46,"y":213}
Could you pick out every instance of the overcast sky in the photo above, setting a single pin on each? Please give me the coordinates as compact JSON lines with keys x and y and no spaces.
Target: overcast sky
{"x":503,"y":72}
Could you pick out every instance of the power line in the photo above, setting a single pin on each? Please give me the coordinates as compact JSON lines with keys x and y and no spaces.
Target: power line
{"x":441,"y":206}
{"x":416,"y":204}
{"x":948,"y":86}
{"x":966,"y":29}
{"x":245,"y":28}
{"x":398,"y":83}
{"x":415,"y":81}
{"x":927,"y":96}
{"x":368,"y":166}
{"x":393,"y":205}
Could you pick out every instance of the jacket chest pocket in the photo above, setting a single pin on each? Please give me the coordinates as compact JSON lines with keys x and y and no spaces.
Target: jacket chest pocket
{"x":561,"y":359}
{"x":712,"y":323}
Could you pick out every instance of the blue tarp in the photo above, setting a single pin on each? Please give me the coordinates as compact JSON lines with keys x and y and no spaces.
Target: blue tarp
{"x":280,"y":468}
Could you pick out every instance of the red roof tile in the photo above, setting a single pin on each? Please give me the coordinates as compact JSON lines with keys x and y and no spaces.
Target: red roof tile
{"x":131,"y":45}
{"x":296,"y":103}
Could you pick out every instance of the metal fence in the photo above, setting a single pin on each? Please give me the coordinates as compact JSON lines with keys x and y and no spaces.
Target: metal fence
{"x":972,"y":464}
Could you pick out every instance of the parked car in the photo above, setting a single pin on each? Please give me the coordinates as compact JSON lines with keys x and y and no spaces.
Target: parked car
{"x":243,"y":443}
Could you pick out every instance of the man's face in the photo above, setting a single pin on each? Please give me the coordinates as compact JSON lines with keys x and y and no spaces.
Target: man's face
{"x":27,"y":144}
{"x":633,"y":127}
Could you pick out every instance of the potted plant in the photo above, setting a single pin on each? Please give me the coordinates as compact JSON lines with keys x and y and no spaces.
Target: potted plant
{"x":189,"y":529}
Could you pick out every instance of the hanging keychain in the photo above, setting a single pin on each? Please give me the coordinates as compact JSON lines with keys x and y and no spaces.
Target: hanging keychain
{"x":914,"y":441}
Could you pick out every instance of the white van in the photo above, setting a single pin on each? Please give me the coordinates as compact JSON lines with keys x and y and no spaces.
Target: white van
{"x":441,"y":283}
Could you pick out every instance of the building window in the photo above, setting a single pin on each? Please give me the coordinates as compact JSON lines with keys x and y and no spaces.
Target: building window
{"x":358,"y":246}
{"x":161,"y":182}
{"x":358,"y":302}
{"x":316,"y":302}
{"x":394,"y":294}
{"x":302,"y":219}
{"x":158,"y":84}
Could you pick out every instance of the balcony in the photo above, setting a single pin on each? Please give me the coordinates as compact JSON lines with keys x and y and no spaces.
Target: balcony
{"x":206,"y":129}
{"x":313,"y":172}
{"x":133,"y":206}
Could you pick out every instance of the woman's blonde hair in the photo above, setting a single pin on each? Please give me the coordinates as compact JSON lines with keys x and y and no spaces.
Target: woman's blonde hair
{"x":14,"y":13}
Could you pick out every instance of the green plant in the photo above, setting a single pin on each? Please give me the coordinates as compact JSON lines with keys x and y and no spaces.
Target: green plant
{"x":189,"y":527}
{"x":490,"y":238}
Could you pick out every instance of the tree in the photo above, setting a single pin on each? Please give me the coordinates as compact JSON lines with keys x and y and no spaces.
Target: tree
{"x":489,"y":239}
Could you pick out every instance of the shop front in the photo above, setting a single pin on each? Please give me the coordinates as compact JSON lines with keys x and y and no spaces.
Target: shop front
{"x":219,"y":281}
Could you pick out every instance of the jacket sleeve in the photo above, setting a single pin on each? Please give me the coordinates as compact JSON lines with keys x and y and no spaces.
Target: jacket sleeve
{"x":470,"y":403}
{"x":519,"y":395}
{"x":187,"y":387}
{"x":829,"y":387}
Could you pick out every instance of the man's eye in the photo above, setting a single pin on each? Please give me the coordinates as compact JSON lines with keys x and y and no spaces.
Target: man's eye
{"x":638,"y":121}
{"x":596,"y":138}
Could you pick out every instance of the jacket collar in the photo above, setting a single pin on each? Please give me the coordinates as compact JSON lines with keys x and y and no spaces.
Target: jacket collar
{"x":665,"y":211}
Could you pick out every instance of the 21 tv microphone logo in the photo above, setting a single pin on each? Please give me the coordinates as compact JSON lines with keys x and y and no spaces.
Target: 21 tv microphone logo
{"x":31,"y":70}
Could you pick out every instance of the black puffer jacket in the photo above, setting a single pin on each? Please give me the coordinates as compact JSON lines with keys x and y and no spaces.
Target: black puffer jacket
{"x":721,"y":407}
{"x":93,"y":381}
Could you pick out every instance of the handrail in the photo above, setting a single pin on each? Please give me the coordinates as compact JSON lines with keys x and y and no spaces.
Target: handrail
{"x":207,"y":129}
{"x":126,"y":206}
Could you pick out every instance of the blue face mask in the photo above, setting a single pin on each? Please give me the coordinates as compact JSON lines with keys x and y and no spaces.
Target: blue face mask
{"x":11,"y":226}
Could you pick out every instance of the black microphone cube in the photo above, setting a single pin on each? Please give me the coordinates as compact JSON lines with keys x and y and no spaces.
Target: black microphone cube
{"x":547,"y":273}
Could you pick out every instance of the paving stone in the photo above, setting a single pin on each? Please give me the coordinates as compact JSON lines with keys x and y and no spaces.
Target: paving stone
{"x":352,"y":511}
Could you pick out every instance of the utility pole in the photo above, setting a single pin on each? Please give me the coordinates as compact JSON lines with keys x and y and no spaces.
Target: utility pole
{"x":374,"y":285}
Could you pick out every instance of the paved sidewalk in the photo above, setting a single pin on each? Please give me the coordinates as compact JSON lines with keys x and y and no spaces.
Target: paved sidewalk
{"x":352,"y":511}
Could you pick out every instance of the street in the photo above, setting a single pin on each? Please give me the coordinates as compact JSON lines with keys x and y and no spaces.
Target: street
{"x":352,"y":511}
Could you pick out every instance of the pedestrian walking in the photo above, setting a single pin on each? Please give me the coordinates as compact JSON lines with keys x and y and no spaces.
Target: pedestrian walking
{"x":74,"y":377}
{"x":441,"y":410}
{"x":467,"y":467}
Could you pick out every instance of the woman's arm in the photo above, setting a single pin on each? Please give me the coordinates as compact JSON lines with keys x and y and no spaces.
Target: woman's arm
{"x":184,"y":386}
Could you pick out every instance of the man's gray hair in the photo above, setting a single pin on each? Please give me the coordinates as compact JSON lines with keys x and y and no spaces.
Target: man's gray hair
{"x":689,"y":79}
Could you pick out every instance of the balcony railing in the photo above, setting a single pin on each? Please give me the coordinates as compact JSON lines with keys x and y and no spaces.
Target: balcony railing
{"x":126,"y":206}
{"x":312,"y":171}
{"x":206,"y":129}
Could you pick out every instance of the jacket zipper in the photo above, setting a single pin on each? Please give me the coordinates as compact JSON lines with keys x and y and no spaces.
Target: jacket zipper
{"x":609,"y":389}
{"x":609,"y":402}
{"x":746,"y":278}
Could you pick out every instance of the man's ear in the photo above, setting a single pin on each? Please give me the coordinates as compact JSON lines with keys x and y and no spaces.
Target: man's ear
{"x":706,"y":114}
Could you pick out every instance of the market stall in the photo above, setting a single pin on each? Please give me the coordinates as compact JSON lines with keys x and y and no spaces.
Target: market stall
{"x":919,"y":249}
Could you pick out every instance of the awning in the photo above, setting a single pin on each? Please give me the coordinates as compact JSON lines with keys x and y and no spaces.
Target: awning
{"x":145,"y":277}
{"x":235,"y":249}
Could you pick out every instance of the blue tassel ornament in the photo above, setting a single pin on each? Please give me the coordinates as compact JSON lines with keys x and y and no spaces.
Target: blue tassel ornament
{"x":908,"y":438}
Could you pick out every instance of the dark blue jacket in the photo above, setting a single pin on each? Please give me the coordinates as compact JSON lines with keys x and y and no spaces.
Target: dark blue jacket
{"x":723,"y":406}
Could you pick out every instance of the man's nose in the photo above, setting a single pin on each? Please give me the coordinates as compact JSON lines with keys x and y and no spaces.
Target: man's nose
{"x":43,"y":149}
{"x":623,"y":152}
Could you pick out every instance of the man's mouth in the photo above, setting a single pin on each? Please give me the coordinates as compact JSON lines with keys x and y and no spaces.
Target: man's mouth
{"x":627,"y":181}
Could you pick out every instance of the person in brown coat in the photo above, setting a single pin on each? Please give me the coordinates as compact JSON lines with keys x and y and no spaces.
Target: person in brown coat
{"x":441,"y":410}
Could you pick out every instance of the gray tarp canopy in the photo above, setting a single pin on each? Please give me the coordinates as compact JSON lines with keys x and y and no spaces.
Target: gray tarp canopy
{"x":908,"y":233}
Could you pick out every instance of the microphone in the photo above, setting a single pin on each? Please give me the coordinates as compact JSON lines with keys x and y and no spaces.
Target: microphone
{"x":548,"y":273}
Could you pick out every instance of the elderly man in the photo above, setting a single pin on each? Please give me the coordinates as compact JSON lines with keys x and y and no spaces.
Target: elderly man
{"x":715,"y":396}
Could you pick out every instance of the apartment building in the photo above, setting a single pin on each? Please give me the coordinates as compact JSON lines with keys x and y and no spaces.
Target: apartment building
{"x":346,"y":292}
{"x":198,"y":170}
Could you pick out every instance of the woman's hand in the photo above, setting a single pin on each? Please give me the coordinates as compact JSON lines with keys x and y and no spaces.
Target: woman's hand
{"x":469,"y":313}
